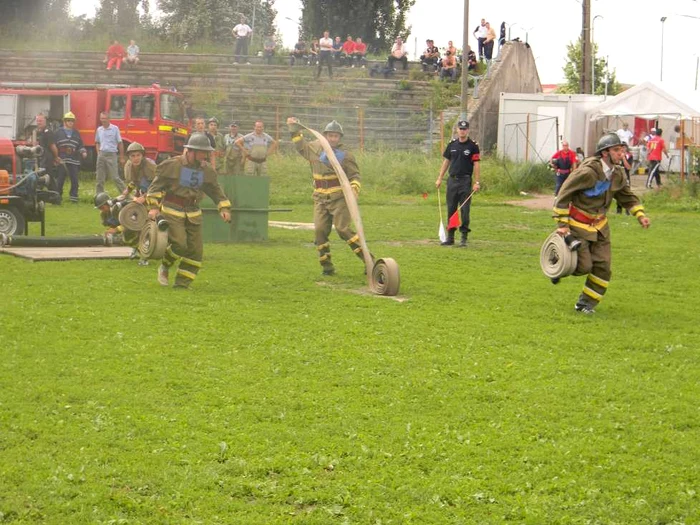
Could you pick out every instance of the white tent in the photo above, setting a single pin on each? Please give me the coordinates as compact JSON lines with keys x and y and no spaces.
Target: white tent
{"x":648,"y":101}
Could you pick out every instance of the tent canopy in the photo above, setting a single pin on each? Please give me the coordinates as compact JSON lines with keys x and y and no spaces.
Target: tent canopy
{"x":645,"y":100}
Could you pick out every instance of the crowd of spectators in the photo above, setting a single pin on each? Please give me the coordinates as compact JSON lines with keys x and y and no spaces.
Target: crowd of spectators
{"x":349,"y":53}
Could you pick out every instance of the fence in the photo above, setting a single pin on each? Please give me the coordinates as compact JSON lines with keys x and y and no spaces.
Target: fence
{"x":365,"y":128}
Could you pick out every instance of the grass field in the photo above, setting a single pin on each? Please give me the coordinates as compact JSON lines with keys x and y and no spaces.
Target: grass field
{"x":270,"y":395}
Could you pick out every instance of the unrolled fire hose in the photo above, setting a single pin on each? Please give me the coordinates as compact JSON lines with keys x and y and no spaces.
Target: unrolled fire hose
{"x":556,"y":258}
{"x":27,"y":241}
{"x":383,"y":276}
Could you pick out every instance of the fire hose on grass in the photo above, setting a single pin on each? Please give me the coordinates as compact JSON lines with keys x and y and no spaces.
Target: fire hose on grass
{"x":383,"y":276}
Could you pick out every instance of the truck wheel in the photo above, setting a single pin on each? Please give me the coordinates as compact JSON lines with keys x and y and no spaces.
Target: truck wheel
{"x":11,"y":221}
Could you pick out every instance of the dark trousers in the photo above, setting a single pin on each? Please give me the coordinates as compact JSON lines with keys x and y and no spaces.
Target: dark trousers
{"x":560,"y":178}
{"x":488,"y":50}
{"x":324,"y":57}
{"x":481,"y":47}
{"x":403,"y":60}
{"x":268,"y":56}
{"x":458,"y":189}
{"x":654,"y":175}
{"x":241,"y":48}
{"x":71,"y":171}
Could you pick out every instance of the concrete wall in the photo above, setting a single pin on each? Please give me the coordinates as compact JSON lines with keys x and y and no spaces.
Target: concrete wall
{"x":514,"y":72}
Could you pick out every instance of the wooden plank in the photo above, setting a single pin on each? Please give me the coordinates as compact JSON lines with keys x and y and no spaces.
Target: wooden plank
{"x":68,"y":253}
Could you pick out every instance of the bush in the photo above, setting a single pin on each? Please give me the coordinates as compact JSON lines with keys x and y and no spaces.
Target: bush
{"x":675,"y":196}
{"x":510,"y":179}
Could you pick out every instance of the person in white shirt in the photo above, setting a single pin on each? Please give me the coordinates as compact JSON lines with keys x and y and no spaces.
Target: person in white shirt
{"x":625,"y":134}
{"x":325,"y":54}
{"x":132,"y":53}
{"x":241,"y":33}
{"x":398,"y":52}
{"x":480,"y":33}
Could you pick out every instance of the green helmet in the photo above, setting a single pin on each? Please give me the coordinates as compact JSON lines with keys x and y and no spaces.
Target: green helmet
{"x":333,"y":127}
{"x":134,"y":147}
{"x":608,"y":140}
{"x":101,"y":198}
{"x":199,"y":141}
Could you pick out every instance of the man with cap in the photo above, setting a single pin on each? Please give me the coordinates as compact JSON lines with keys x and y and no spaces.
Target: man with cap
{"x":462,"y":158}
{"x":70,"y":150}
{"x":233,"y":161}
{"x":176,"y":191}
{"x":255,"y":148}
{"x":330,"y":208}
{"x":580,"y":210}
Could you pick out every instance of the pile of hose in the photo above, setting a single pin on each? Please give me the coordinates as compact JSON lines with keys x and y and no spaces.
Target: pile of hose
{"x":556,"y":259}
{"x":133,"y":216}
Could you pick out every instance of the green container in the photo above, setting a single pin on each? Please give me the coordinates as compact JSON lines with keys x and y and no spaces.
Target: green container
{"x":250,"y":200}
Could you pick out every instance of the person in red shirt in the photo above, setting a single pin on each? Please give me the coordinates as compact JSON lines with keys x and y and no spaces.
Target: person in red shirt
{"x":564,"y":162}
{"x":115,"y":55}
{"x":359,"y":53}
{"x":655,"y":147}
{"x":348,"y":50}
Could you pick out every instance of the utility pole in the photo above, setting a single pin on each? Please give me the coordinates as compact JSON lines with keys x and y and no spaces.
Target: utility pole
{"x":586,"y":48}
{"x":465,"y":55}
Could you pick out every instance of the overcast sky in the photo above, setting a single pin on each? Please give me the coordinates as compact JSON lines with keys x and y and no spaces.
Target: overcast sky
{"x":629,"y":32}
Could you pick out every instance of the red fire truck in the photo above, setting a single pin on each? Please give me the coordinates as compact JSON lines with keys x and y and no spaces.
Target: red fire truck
{"x":153,"y":116}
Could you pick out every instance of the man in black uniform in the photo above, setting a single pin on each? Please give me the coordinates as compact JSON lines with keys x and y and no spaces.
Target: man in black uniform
{"x":462,"y":157}
{"x":47,"y":140}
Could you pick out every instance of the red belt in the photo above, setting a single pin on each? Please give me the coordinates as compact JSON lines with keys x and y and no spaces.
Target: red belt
{"x":563,"y":172}
{"x":183,"y":202}
{"x":579,"y":216}
{"x":325,"y":184}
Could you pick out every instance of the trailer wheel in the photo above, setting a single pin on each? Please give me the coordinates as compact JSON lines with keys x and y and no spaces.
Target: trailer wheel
{"x":11,"y":221}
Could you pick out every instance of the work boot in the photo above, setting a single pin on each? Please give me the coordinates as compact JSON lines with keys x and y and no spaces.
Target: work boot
{"x":134,"y":254}
{"x":163,"y":275}
{"x":143,"y":262}
{"x":584,"y":306}
{"x":328,"y":270}
{"x":463,"y":241}
{"x":450,"y":239}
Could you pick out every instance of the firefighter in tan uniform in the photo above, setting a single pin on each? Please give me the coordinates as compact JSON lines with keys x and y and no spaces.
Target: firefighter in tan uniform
{"x":330,"y":208}
{"x":139,"y":172}
{"x":581,"y":207}
{"x":175,"y":191}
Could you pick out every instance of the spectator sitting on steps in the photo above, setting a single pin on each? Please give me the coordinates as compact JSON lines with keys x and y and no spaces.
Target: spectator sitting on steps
{"x":132,"y":53}
{"x":299,"y":54}
{"x":429,"y":58}
{"x":360,"y":52}
{"x":115,"y":56}
{"x":337,"y":50}
{"x":348,"y":50}
{"x":398,"y":52}
{"x":449,"y":67}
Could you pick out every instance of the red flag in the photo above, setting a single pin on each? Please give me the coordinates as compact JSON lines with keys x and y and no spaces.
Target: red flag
{"x":455,"y":221}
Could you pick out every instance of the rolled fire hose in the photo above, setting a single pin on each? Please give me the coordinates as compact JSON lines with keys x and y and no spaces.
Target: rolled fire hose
{"x":152,"y":242}
{"x":133,"y":216}
{"x":556,"y":259}
{"x":383,"y":276}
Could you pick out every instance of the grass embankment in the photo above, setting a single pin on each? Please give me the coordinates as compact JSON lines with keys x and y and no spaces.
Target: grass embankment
{"x":268,"y":394}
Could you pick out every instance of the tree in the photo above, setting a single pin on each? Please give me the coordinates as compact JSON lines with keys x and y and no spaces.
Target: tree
{"x":210,"y":21}
{"x":574,"y":68}
{"x":378,"y":22}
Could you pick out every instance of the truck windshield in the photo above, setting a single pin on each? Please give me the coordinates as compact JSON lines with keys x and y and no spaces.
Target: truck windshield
{"x":171,"y":108}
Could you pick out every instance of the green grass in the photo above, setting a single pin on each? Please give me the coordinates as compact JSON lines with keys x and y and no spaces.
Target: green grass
{"x":269,"y":394}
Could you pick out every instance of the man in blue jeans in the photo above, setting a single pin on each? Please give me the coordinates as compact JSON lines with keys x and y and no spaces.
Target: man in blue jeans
{"x":108,"y":143}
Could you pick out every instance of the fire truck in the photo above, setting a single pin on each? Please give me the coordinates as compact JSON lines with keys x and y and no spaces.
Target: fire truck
{"x":153,"y":116}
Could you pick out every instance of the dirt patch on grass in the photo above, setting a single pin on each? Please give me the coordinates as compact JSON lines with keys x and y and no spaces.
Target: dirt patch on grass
{"x":361,"y":291}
